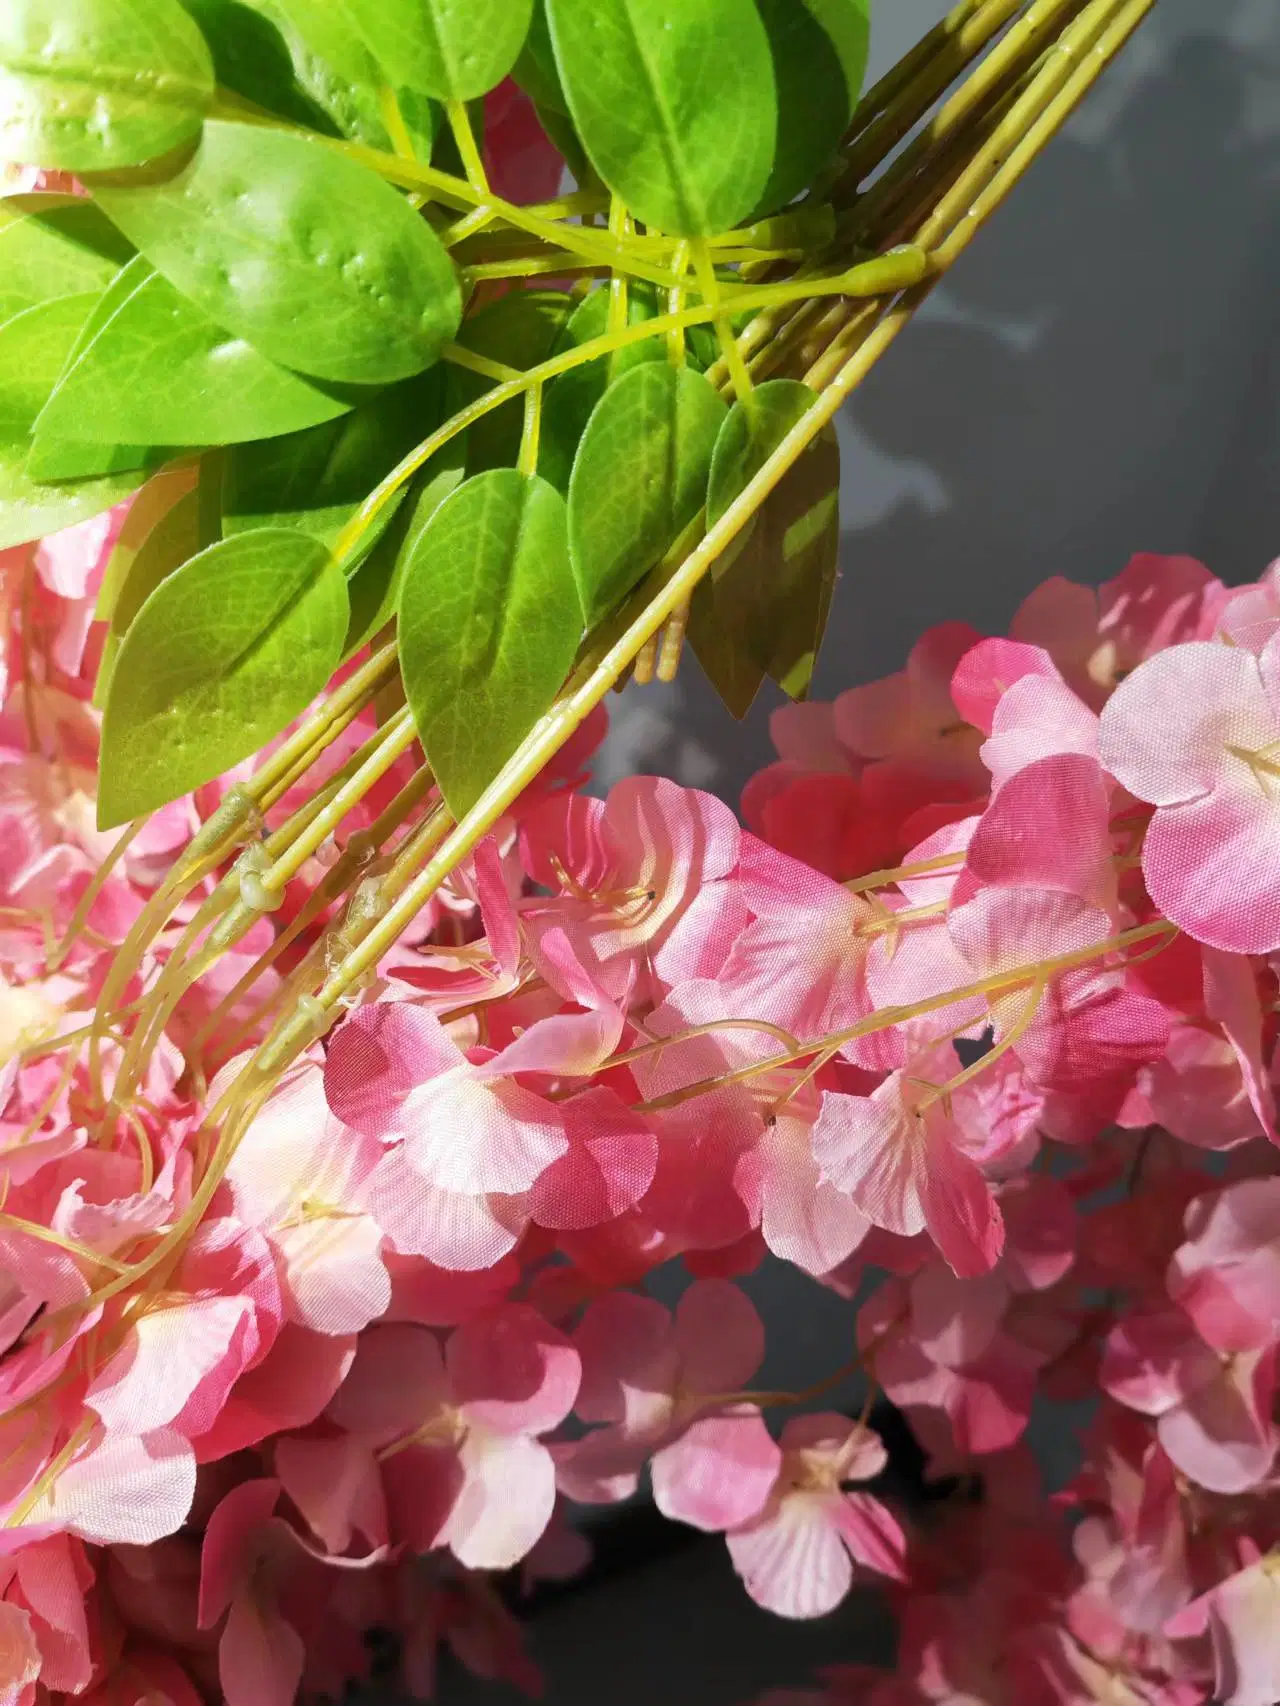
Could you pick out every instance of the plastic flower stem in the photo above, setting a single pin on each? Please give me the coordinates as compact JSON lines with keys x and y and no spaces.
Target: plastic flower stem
{"x":465,"y":137}
{"x":1009,"y":1040}
{"x":1000,"y":984}
{"x":885,"y":275}
{"x":87,"y":900}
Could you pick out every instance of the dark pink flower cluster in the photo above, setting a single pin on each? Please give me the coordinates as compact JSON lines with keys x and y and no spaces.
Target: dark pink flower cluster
{"x":974,"y":1024}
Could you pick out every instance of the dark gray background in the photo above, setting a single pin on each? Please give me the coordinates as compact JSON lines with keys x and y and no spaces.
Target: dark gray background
{"x":1099,"y":376}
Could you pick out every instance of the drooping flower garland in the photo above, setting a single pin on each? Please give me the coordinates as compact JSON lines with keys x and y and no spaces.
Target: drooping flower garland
{"x":984,"y":996}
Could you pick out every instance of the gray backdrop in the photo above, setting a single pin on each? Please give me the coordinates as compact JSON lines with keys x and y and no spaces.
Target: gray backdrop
{"x":1098,"y":376}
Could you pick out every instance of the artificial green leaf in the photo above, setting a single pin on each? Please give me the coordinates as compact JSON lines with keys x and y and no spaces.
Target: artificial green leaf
{"x":639,"y":477}
{"x":309,"y":255}
{"x":373,"y":587}
{"x":535,"y":70}
{"x":55,"y":245}
{"x":455,"y":50}
{"x":569,"y":400}
{"x":157,"y":370}
{"x":145,"y":513}
{"x":30,"y":508}
{"x":819,"y":52}
{"x":488,"y":625}
{"x":764,"y":606}
{"x":306,"y":60}
{"x":520,"y":330}
{"x":34,"y":345}
{"x":316,"y":480}
{"x":674,"y":103}
{"x":92,"y":85}
{"x":171,"y":542}
{"x":222,"y":655}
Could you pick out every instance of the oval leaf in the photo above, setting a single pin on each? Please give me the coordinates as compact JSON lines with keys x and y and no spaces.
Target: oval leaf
{"x":174,"y":538}
{"x":639,"y":477}
{"x":92,"y":85}
{"x":154,"y":369}
{"x":223,"y":654}
{"x":489,"y":625}
{"x":763,"y":608}
{"x":55,"y":245}
{"x":34,"y":346}
{"x":455,"y":50}
{"x":314,"y":259}
{"x":674,"y":103}
{"x":30,"y":508}
{"x":819,"y":52}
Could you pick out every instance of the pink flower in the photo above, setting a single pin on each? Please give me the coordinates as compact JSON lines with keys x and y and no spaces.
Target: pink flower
{"x":296,"y":1175}
{"x":458,"y":1435}
{"x":1194,"y":732}
{"x":911,"y":716}
{"x":902,"y":1159}
{"x":1244,"y":1615}
{"x":797,"y":1556}
{"x":1227,"y":1275}
{"x":1213,"y":1411}
{"x":642,"y":880}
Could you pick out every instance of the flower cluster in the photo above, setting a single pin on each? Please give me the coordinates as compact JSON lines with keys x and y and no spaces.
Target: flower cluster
{"x":973,"y":1023}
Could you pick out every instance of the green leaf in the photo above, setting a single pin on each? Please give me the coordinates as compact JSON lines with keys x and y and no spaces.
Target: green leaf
{"x":639,"y":477}
{"x":92,"y":85}
{"x":455,"y":50}
{"x":569,"y":400}
{"x":819,"y":52}
{"x":218,"y":660}
{"x":55,"y":245}
{"x":306,"y":60}
{"x":147,"y":510}
{"x":34,"y":345}
{"x":316,"y":480}
{"x":535,"y":70}
{"x":374,"y":585}
{"x":173,"y":539}
{"x":31,"y":508}
{"x":763,"y":608}
{"x":489,"y":625}
{"x":520,"y":330}
{"x":309,"y":255}
{"x":674,"y":103}
{"x":156,"y":370}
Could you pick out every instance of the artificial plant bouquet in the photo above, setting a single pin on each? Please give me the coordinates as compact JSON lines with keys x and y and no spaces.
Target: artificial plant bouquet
{"x":357,"y":1069}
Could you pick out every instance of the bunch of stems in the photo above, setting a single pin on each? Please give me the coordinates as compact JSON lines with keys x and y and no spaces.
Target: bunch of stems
{"x":919,"y":174}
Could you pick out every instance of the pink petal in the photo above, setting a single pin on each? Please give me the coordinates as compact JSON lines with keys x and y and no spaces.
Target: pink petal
{"x":1166,"y":728}
{"x":20,"y":1659}
{"x":453,"y":1229}
{"x":872,"y":1535}
{"x":1049,"y":828}
{"x":167,"y":1356}
{"x":1037,"y":718}
{"x":506,"y":1501}
{"x":335,"y":1484}
{"x":1211,"y":866}
{"x":609,"y":1165}
{"x":397,"y":1382}
{"x":1244,"y":1614}
{"x":377,"y":1057}
{"x":1152,"y":1361}
{"x":623,"y":1339}
{"x":794,"y":1561}
{"x":988,"y":670}
{"x":260,"y":1657}
{"x":125,"y":1490}
{"x":500,"y":924}
{"x":805,"y":1220}
{"x":512,"y":1371}
{"x":719,"y":1474}
{"x":288,"y":1389}
{"x":227,"y":1554}
{"x":1222,"y":1435}
{"x":719,"y":1337}
{"x":866,"y":1146}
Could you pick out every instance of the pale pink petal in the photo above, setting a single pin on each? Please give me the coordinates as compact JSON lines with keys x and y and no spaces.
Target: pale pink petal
{"x":794,"y":1561}
{"x":1152,"y":1361}
{"x":500,"y":923}
{"x":805,"y":733}
{"x":19,"y":1655}
{"x":718,"y":1474}
{"x":1244,"y":1615}
{"x":1212,"y":865}
{"x":986,"y":673}
{"x":1167,"y":727}
{"x":1038,"y":717}
{"x":867,"y":1147}
{"x":609,"y":1165}
{"x":453,"y":1229}
{"x":333,"y":1272}
{"x":287,"y":1389}
{"x":125,"y":1490}
{"x":1048,"y":828}
{"x":169,"y":1354}
{"x":1222,"y":1435}
{"x":624,"y":1341}
{"x":506,"y":1501}
{"x":872,"y":1535}
{"x":804,"y":1219}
